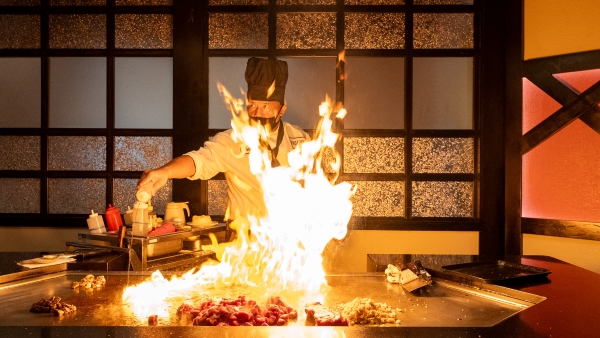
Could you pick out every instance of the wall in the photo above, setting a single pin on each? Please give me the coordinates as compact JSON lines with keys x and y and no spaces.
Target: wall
{"x":350,"y":254}
{"x":575,"y":251}
{"x":555,"y":27}
{"x":23,"y":239}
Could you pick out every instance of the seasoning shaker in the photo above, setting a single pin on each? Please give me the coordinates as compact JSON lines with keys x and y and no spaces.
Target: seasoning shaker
{"x":96,"y":224}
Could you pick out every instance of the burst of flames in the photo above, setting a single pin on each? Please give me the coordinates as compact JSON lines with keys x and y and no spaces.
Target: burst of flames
{"x":305,"y":210}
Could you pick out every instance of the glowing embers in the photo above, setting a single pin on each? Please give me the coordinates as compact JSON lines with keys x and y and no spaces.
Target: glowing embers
{"x":305,"y":210}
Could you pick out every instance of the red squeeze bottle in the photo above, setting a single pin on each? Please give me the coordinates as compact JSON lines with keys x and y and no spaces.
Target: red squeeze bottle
{"x":113,"y":218}
{"x":165,"y":228}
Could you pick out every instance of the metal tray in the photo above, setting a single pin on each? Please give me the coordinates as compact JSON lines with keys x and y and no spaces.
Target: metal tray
{"x":495,"y":272}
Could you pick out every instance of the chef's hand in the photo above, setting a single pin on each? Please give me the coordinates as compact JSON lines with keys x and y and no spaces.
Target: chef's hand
{"x":156,"y":177}
{"x":179,"y":167}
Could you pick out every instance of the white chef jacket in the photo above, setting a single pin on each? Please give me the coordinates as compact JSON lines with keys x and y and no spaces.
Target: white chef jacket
{"x":222,"y":154}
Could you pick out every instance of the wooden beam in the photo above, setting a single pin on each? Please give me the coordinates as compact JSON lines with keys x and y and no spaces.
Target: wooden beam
{"x":558,"y":228}
{"x":561,"y":118}
{"x":564,"y":95}
{"x":510,"y":232}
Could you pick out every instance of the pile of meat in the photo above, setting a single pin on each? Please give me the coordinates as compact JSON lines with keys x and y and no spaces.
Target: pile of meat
{"x":89,"y":282}
{"x":53,"y":305}
{"x":239,"y":312}
{"x":319,"y":315}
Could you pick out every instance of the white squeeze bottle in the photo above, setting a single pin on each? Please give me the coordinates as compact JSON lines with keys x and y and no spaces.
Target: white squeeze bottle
{"x":139,"y":226}
{"x":96,"y":224}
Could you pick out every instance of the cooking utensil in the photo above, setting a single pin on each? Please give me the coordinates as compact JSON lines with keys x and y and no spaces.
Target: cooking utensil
{"x":413,"y":276}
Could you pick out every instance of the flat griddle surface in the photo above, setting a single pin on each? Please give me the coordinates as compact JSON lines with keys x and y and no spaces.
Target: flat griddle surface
{"x":443,"y":304}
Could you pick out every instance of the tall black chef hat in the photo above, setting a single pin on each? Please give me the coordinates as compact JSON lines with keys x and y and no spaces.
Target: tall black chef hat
{"x":262,"y":74}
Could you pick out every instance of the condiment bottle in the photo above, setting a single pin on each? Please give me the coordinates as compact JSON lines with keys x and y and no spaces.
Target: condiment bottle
{"x":96,"y":224}
{"x":140,"y":219}
{"x":151,"y":217}
{"x":145,"y":192}
{"x":128,"y":216}
{"x":113,"y":218}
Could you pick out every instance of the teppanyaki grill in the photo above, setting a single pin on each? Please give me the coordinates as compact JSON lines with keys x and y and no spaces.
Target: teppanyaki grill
{"x":444,"y":304}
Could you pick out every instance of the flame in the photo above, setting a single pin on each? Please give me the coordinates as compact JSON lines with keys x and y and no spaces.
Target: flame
{"x":341,"y":65}
{"x":305,"y":209}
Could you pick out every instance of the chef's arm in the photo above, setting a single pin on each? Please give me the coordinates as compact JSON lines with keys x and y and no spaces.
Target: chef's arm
{"x":179,"y":167}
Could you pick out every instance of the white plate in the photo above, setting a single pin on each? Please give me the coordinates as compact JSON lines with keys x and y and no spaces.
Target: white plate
{"x":202,"y":225}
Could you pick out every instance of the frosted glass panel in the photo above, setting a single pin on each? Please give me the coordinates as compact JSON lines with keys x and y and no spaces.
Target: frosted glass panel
{"x":77,"y":2}
{"x":451,"y":155}
{"x":144,"y":93}
{"x":19,"y":2}
{"x":124,"y":195}
{"x":76,"y":195}
{"x":374,"y":93}
{"x":308,"y":81}
{"x":443,"y":30}
{"x":142,"y":153}
{"x":378,"y":199}
{"x":144,"y":2}
{"x":443,"y":93}
{"x":77,"y":153}
{"x":217,"y":197}
{"x":78,"y":31}
{"x":77,"y":92}
{"x":238,"y":31}
{"x":443,"y":2}
{"x":305,"y":2}
{"x":374,"y":30}
{"x":20,"y":85}
{"x":144,"y":31}
{"x":19,"y":31}
{"x":373,"y":155}
{"x":442,"y":199}
{"x":306,"y":30}
{"x":230,"y":73}
{"x":238,"y":2}
{"x":20,"y":152}
{"x":374,"y":2}
{"x":19,"y":195}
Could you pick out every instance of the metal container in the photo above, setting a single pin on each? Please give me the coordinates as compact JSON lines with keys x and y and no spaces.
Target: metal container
{"x":192,"y":245}
{"x":164,"y":248}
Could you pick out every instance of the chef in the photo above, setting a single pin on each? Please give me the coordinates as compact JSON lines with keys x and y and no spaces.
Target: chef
{"x":266,"y":80}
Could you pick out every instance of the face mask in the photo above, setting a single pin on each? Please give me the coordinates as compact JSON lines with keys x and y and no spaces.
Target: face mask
{"x":264,"y":121}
